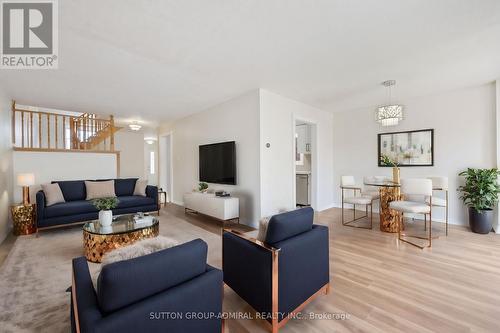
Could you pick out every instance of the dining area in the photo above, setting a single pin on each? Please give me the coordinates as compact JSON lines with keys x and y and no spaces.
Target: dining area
{"x":399,"y":202}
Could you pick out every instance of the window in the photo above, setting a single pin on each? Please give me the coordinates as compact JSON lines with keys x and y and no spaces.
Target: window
{"x":152,"y":162}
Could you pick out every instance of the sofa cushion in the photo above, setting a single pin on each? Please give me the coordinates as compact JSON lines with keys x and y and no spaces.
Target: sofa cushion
{"x":125,"y":186}
{"x":134,"y":201}
{"x":140,"y":187}
{"x":148,"y":275}
{"x":289,"y":224}
{"x":72,"y":190}
{"x":100,"y":189}
{"x":70,"y":208}
{"x":52,"y":193}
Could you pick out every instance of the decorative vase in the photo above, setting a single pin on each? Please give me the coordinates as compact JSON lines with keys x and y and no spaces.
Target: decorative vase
{"x":105,"y":217}
{"x":480,"y":221}
{"x":395,"y":175}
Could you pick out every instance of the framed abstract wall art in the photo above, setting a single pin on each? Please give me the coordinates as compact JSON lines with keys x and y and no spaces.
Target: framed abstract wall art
{"x":409,"y":148}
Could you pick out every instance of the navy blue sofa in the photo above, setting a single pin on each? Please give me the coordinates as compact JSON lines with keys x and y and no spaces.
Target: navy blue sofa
{"x":279,"y":276}
{"x":173,"y":290}
{"x":77,"y":209}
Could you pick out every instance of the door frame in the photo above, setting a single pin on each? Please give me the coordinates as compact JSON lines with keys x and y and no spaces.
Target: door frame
{"x":314,"y":160}
{"x":162,"y":169}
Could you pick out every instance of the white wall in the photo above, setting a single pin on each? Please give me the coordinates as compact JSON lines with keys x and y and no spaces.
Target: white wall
{"x":6,"y":186}
{"x":235,"y":120}
{"x":464,"y":136}
{"x":277,"y":163}
{"x":49,"y":166}
{"x":497,"y":105}
{"x":131,"y":147}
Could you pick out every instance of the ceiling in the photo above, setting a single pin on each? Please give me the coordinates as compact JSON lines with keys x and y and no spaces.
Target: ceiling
{"x":161,"y":60}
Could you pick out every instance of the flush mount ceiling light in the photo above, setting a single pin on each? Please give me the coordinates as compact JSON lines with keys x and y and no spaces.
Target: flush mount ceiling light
{"x":390,"y":114}
{"x":150,"y":141}
{"x":134,"y":126}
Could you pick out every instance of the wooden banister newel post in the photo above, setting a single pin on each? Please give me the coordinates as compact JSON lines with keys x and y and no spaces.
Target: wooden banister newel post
{"x":112,"y":132}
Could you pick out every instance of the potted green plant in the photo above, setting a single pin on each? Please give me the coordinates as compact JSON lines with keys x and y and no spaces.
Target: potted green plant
{"x":386,"y":160}
{"x":105,"y":206}
{"x":203,"y":187}
{"x":480,"y":194}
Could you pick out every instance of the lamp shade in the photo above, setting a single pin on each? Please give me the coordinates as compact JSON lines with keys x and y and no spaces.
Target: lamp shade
{"x":25,"y":179}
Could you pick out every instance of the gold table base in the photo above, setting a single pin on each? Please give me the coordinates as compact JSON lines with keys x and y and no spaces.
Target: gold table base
{"x":24,"y":219}
{"x":389,"y":218}
{"x":96,"y":245}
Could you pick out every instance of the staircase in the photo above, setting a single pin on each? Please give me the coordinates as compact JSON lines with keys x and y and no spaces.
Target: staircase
{"x":46,"y":131}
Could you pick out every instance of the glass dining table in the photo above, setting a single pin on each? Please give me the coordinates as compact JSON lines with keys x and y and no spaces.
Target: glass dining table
{"x":389,"y":191}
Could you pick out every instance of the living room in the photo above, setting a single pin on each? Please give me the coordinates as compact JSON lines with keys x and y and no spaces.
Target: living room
{"x":150,"y":160}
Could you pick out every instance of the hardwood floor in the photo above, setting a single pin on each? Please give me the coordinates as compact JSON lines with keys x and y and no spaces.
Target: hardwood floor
{"x":381,"y":285}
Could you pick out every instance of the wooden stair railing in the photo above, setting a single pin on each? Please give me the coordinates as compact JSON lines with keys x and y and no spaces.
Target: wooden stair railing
{"x":46,"y":131}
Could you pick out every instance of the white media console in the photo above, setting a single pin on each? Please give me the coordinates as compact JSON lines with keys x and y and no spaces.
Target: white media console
{"x":222,"y":208}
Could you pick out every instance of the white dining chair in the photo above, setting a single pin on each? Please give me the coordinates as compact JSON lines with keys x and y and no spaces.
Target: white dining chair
{"x":440,"y":184}
{"x":349,"y":183}
{"x":414,"y":187}
{"x":371,"y":191}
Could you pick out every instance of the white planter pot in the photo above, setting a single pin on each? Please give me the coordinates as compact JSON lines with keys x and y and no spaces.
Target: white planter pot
{"x":105,"y":218}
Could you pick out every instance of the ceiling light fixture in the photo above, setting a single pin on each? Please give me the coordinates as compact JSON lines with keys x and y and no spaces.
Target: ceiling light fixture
{"x":150,"y":141}
{"x":134,"y":126}
{"x":390,"y":114}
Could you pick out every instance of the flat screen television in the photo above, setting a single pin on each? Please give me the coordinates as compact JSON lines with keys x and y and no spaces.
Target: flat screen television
{"x":218,"y":163}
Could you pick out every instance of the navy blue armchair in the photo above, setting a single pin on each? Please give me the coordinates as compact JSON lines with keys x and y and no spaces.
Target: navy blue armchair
{"x":172,"y":290}
{"x":280,"y":276}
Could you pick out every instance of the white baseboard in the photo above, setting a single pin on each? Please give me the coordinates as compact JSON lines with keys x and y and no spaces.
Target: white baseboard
{"x":179,"y":203}
{"x":327,"y":207}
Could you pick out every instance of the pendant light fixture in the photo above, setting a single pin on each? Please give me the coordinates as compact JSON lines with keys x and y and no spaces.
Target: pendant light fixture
{"x":389,"y":114}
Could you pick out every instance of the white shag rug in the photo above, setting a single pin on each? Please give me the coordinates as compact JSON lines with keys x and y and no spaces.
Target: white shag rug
{"x":37,"y":272}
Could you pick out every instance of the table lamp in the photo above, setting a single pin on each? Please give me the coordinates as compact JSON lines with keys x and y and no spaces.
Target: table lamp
{"x":26,"y":180}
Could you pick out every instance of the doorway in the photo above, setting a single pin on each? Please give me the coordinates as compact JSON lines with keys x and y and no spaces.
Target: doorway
{"x":165,"y":167}
{"x":304,"y":166}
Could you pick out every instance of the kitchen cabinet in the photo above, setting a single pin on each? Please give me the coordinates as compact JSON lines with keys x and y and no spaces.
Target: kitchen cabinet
{"x":302,"y":189}
{"x":303,"y":138}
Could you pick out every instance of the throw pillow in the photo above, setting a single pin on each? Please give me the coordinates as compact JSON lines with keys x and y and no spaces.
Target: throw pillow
{"x":138,"y":249}
{"x":53,"y":194}
{"x":140,"y":187}
{"x":263,"y":223}
{"x":102,"y":189}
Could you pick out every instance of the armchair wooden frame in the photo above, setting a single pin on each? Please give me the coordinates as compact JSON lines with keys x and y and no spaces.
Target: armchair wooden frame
{"x":348,"y":223}
{"x":275,"y":324}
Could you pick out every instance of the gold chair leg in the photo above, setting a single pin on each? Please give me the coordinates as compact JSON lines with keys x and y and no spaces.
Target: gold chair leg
{"x":348,"y":223}
{"x":446,"y":213}
{"x":429,"y":239}
{"x":430,"y":227}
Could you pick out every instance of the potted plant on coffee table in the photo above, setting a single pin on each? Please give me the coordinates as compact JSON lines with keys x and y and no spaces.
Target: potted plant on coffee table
{"x":480,"y":194}
{"x":105,"y":206}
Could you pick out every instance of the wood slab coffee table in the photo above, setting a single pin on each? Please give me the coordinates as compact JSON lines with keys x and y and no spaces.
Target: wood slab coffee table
{"x":98,"y":239}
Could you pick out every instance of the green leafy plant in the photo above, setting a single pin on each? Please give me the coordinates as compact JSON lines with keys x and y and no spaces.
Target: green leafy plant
{"x":202,"y":186}
{"x":387,"y":161}
{"x":105,"y":203}
{"x":481,"y":188}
